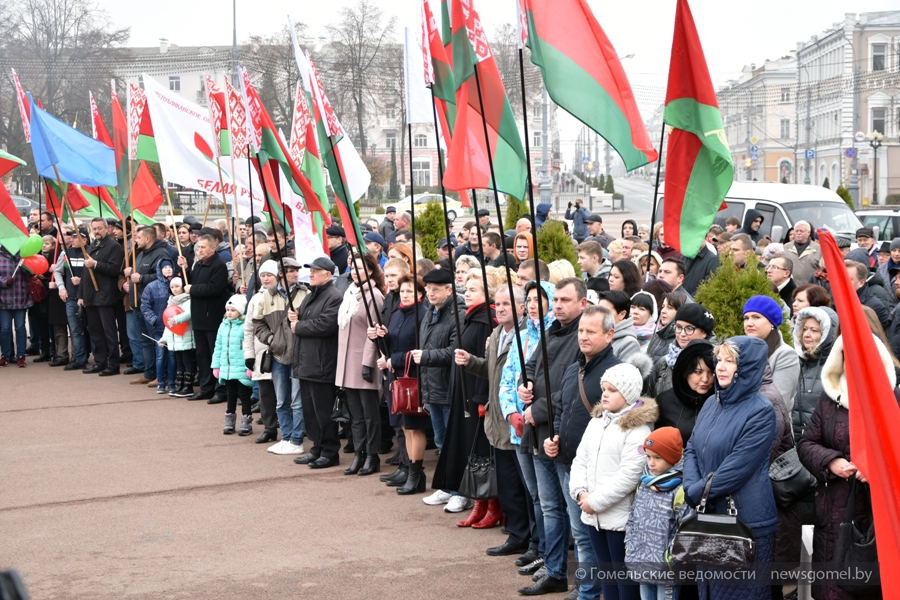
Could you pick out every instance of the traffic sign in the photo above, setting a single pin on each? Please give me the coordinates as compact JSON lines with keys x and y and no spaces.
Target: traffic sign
{"x":585,"y":160}
{"x":810,"y":154}
{"x":850,"y":152}
{"x":754,"y":148}
{"x":754,"y":156}
{"x":753,"y":140}
{"x":859,"y":136}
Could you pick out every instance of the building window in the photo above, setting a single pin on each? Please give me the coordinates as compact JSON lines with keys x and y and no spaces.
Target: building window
{"x":420,"y":140}
{"x":785,"y":95}
{"x":421,"y":172}
{"x":390,"y":111}
{"x":785,"y":171}
{"x":391,"y":139}
{"x":141,"y":81}
{"x":537,"y":139}
{"x":203,"y":83}
{"x":174,"y":83}
{"x":878,"y":120}
{"x":538,"y":111}
{"x":785,"y":129}
{"x":879,"y":52}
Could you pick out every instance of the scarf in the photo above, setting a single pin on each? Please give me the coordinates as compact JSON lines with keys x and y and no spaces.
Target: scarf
{"x":666,"y":482}
{"x":349,"y":306}
{"x":674,"y":351}
{"x":645,"y":332}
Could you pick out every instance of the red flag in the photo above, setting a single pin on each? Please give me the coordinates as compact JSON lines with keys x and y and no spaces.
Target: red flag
{"x":873,"y":410}
{"x":98,"y":127}
{"x":24,"y":107}
{"x":145,"y":193}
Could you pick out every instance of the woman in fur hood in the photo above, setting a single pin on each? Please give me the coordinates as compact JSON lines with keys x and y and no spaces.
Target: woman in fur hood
{"x":607,"y":467}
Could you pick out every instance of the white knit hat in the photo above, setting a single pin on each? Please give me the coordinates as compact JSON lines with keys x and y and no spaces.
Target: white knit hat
{"x":237,"y":302}
{"x":176,"y":281}
{"x":627,"y":379}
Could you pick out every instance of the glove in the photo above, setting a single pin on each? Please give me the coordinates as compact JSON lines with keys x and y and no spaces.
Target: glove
{"x":367,"y":373}
{"x":249,"y":373}
{"x":481,"y":411}
{"x":250,"y":363}
{"x":216,"y":373}
{"x":570,"y":205}
{"x":518,"y":423}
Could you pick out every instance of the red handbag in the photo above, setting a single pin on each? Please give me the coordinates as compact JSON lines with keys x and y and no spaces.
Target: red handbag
{"x":36,"y":289}
{"x":405,"y":393}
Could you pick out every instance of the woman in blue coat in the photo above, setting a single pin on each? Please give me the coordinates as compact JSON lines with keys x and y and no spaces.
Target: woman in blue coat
{"x":734,"y":433}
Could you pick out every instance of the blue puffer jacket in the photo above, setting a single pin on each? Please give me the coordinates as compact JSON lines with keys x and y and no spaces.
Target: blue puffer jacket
{"x":733,"y":437}
{"x":155,"y":298}
{"x":228,"y":356}
{"x":542,"y":213}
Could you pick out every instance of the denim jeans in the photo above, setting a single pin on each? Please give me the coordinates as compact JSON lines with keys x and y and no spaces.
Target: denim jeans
{"x":556,"y":519}
{"x":526,"y":461}
{"x":148,"y":346}
{"x":659,"y":592}
{"x":75,"y":328}
{"x":135,"y":340}
{"x":7,"y":318}
{"x":165,"y":368}
{"x":609,"y":547}
{"x":288,"y":406}
{"x":440,"y":416}
{"x":584,"y":551}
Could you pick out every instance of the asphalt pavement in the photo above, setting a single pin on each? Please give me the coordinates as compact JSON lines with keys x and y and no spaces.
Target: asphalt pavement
{"x":111,"y":491}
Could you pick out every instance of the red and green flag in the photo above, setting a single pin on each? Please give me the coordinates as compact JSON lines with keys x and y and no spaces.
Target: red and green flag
{"x":62,"y":199}
{"x":438,"y":72}
{"x":105,"y":195}
{"x":218,"y":117}
{"x":12,"y":230}
{"x":468,"y":163}
{"x":145,"y":193}
{"x":699,"y":169}
{"x":141,"y":142}
{"x":583,"y":75}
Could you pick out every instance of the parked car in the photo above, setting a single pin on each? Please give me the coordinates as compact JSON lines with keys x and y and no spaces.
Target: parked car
{"x":784,"y":204}
{"x":887,"y":220}
{"x":454,"y":207}
{"x":24,"y":205}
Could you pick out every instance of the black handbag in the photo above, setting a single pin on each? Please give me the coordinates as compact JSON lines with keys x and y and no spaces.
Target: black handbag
{"x":791,"y":482}
{"x":711,"y":539}
{"x":340,"y":413}
{"x":265,"y":362}
{"x":479,"y":480}
{"x":853,"y":546}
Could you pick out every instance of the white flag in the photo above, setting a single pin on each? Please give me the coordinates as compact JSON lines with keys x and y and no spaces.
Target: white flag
{"x":418,"y":98}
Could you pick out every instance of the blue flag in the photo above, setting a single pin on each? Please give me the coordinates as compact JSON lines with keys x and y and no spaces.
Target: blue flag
{"x":77,"y":157}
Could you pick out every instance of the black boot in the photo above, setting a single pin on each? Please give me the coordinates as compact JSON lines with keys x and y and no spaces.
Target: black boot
{"x":179,"y":383}
{"x":415,"y":482}
{"x":398,"y":477}
{"x":356,"y":465}
{"x":395,"y":459}
{"x":187,"y":386}
{"x":373,"y":465}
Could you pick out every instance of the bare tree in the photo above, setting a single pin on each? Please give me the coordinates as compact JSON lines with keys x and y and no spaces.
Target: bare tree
{"x":505,"y":47}
{"x":270,"y":61}
{"x":359,"y":37}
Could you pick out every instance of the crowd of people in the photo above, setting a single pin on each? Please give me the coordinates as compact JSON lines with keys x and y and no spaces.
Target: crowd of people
{"x":604,"y":402}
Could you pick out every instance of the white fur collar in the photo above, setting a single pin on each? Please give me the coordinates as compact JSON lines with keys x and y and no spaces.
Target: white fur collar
{"x":834,"y":377}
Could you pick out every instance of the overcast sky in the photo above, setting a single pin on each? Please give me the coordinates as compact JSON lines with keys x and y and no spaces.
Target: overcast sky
{"x":733,"y":34}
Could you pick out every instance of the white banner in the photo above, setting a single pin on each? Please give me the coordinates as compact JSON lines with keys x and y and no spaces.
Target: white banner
{"x":307,"y":246}
{"x":418,"y":97}
{"x":185,"y":145}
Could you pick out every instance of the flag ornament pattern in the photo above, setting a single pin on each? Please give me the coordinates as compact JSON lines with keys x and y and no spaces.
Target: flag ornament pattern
{"x":522,"y":23}
{"x":699,"y":168}
{"x":329,"y":120}
{"x":216,"y":101}
{"x":441,"y":73}
{"x":583,"y":74}
{"x":426,"y":49}
{"x":137,"y":102}
{"x":254,"y":111}
{"x":237,"y":122}
{"x":24,"y":107}
{"x":299,"y":125}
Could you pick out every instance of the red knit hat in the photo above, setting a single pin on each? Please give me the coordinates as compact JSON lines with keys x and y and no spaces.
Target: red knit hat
{"x":665,"y":441}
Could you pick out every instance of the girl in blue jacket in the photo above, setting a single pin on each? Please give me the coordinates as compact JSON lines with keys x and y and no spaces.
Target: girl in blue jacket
{"x":230,"y":368}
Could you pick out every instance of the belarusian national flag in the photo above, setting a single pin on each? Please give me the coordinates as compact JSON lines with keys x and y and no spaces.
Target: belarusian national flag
{"x":141,"y":142}
{"x":439,"y":73}
{"x":73,"y":197}
{"x":120,"y":144}
{"x":468,"y":165}
{"x":583,"y":75}
{"x":107,"y":195}
{"x":24,"y":107}
{"x":8,"y":162}
{"x":12,"y":231}
{"x":699,"y":170}
{"x":145,"y":192}
{"x":216,"y":101}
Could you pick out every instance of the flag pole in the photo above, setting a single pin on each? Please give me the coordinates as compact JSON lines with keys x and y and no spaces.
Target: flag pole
{"x":262,"y":180}
{"x":537,"y":264}
{"x":225,"y":205}
{"x":412,"y":218}
{"x":66,"y":206}
{"x":133,"y":256}
{"x":59,"y":226}
{"x":662,"y":135}
{"x":177,"y":240}
{"x":509,"y":283}
{"x":125,"y":229}
{"x":253,"y":227}
{"x":437,"y":137}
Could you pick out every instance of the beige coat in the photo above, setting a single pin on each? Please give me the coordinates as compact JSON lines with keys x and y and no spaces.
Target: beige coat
{"x":356,"y":350}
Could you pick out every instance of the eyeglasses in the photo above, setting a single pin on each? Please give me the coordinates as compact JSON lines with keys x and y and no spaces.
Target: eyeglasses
{"x":774,"y":267}
{"x":687,"y":329}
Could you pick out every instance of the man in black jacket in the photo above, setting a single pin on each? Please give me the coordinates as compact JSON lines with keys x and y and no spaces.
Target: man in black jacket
{"x":315,"y":327}
{"x":595,"y":333}
{"x":105,"y":259}
{"x":209,"y":291}
{"x":151,"y":250}
{"x":337,"y":247}
{"x":569,"y":301}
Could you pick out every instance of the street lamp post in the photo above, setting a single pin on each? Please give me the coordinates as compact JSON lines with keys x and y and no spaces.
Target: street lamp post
{"x":544,"y":189}
{"x":875,"y":142}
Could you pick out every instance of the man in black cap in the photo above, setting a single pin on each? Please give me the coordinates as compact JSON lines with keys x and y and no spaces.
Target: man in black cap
{"x":105,"y":257}
{"x":865,"y":239}
{"x":445,"y":249}
{"x":337,"y":246}
{"x":484,"y":218}
{"x":315,"y":327}
{"x":375,"y":246}
{"x":595,"y":230}
{"x":387,"y":225}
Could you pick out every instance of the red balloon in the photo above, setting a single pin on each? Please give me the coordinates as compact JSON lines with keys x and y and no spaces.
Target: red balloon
{"x":170,"y":312}
{"x":37,"y":264}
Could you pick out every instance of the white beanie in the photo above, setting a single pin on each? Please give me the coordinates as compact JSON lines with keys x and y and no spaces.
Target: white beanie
{"x":627,"y":379}
{"x":176,"y":281}
{"x":270,"y":267}
{"x":237,"y":302}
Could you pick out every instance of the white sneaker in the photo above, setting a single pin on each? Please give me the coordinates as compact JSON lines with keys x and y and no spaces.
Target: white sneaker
{"x":274,"y":448}
{"x":437,"y":498}
{"x":458,"y":504}
{"x":290,"y":448}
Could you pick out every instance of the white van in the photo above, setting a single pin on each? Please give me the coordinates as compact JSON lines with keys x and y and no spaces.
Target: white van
{"x":782,"y":205}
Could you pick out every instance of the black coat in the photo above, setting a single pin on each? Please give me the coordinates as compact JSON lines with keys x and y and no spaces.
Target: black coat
{"x":562,"y":351}
{"x":659,"y":343}
{"x":110,"y":258}
{"x":868,"y":298}
{"x":316,"y":335}
{"x":146,"y":264}
{"x":573,"y":417}
{"x":401,"y":336}
{"x":339,"y":257}
{"x":786,"y":292}
{"x":700,"y":268}
{"x":462,"y":430}
{"x":390,"y":304}
{"x":680,"y":405}
{"x":210,"y":291}
{"x":438,"y":341}
{"x":752,"y":215}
